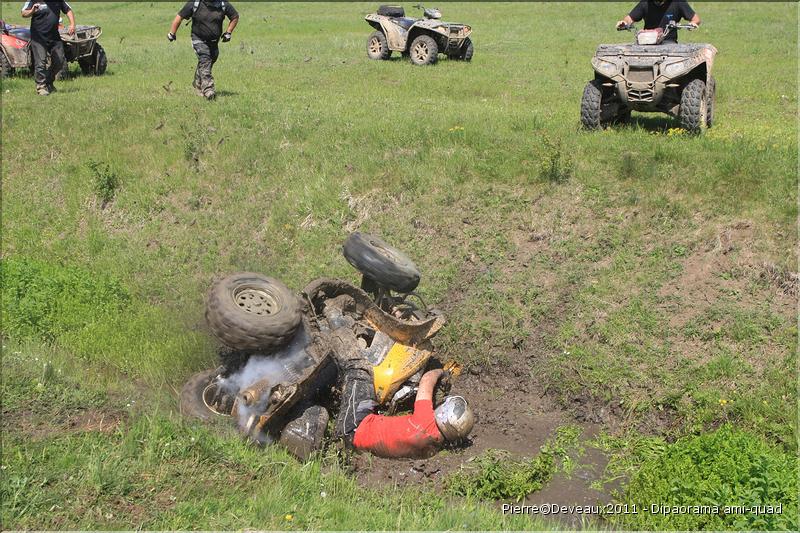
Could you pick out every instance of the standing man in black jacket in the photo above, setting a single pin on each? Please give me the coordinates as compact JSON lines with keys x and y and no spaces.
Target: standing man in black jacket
{"x":659,"y":13}
{"x":207,"y":17}
{"x":46,"y":41}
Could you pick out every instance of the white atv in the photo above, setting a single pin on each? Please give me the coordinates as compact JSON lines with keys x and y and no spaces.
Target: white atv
{"x":420,"y":39}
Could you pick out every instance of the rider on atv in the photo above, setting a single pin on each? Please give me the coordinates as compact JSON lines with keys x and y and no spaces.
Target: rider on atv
{"x":657,"y":14}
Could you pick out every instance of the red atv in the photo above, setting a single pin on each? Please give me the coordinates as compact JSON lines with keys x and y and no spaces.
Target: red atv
{"x":15,"y":50}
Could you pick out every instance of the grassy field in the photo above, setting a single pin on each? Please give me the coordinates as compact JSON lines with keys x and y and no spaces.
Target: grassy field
{"x":640,"y":269}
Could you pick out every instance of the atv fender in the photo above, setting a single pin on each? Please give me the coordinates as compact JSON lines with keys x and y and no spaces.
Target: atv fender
{"x":395,"y":35}
{"x":17,"y":51}
{"x":403,"y":331}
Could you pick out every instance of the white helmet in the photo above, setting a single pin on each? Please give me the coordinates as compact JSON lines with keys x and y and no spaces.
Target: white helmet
{"x":454,"y":418}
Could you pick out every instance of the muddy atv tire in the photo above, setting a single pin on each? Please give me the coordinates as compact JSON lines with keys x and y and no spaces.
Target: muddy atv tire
{"x":693,"y":110}
{"x":381,"y":263}
{"x":424,"y":50}
{"x":6,"y":69}
{"x":251,"y":312}
{"x":591,"y":106}
{"x":711,"y":101}
{"x":391,"y":11}
{"x":192,"y":402}
{"x":378,"y":46}
{"x":464,"y":53}
{"x":94,"y":64}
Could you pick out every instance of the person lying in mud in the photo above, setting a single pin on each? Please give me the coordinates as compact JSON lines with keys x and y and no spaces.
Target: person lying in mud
{"x":418,"y":435}
{"x":659,"y":13}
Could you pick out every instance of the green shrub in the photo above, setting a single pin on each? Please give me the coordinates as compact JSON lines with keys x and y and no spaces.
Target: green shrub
{"x":495,"y":475}
{"x":556,"y":165}
{"x":728,"y":467}
{"x":45,"y":301}
{"x":105,"y":182}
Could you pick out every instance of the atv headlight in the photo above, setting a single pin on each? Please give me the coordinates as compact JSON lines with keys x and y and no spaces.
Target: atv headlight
{"x":676,"y":68}
{"x":606,"y":68}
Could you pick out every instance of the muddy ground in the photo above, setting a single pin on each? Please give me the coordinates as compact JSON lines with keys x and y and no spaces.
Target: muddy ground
{"x":518,"y":412}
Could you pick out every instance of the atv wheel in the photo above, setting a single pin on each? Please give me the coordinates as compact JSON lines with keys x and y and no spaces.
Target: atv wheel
{"x":6,"y":69}
{"x":591,"y":106}
{"x":711,"y":101}
{"x":201,"y":399}
{"x":694,"y":109}
{"x":96,"y":63}
{"x":378,"y":46}
{"x":424,"y":50}
{"x":251,"y":312}
{"x":384,"y":264}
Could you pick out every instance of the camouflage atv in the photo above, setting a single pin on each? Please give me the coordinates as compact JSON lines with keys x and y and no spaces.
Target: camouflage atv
{"x":651,"y":76}
{"x":420,"y":39}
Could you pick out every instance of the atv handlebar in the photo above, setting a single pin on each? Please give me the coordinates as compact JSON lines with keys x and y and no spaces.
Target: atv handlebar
{"x":671,"y":26}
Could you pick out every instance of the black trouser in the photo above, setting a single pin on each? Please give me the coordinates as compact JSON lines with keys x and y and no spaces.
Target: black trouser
{"x":355,"y":381}
{"x":40,"y":51}
{"x":207,"y":54}
{"x":358,"y":401}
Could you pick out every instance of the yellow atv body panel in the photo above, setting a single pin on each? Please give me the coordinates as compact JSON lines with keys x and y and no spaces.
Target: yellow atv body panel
{"x":400,"y":363}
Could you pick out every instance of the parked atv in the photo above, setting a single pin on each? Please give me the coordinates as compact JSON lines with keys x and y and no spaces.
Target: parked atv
{"x":421,"y":39}
{"x":82,"y":47}
{"x":654,"y":76}
{"x":278,"y":370}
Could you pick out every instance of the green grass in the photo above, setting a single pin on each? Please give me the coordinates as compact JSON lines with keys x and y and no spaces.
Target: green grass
{"x":624,"y":265}
{"x":727,"y":467}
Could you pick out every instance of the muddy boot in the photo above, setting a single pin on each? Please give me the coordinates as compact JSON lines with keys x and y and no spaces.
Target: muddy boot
{"x":42,"y":90}
{"x":305,"y":432}
{"x":209,"y":94}
{"x":196,"y":86}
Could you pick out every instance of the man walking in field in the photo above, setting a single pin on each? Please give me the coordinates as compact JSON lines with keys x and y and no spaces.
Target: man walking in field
{"x":46,"y":41}
{"x":659,"y":13}
{"x":207,"y":17}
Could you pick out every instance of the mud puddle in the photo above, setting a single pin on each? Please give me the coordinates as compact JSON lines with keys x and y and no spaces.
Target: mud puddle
{"x":514,"y":416}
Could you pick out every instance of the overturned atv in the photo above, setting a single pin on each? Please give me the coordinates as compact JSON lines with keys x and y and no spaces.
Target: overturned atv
{"x":278,"y":373}
{"x":420,"y":39}
{"x":653,"y":75}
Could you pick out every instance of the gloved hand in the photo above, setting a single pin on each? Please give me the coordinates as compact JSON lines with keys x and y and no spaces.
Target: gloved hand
{"x":171,"y":37}
{"x":226,"y":37}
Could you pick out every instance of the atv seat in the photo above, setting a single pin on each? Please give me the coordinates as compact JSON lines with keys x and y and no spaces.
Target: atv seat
{"x":391,"y":11}
{"x":404,"y":22}
{"x":20,"y":33}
